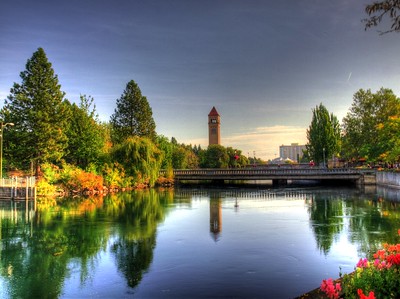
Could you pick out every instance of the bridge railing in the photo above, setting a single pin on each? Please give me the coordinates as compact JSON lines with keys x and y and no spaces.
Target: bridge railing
{"x":266,"y":171}
{"x":18,"y":182}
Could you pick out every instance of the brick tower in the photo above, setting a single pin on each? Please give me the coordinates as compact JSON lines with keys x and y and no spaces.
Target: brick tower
{"x":214,"y":123}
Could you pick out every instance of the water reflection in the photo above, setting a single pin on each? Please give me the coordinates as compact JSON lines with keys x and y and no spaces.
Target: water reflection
{"x":215,"y":218}
{"x":368,"y":220}
{"x":71,"y":236}
{"x":76,"y":247}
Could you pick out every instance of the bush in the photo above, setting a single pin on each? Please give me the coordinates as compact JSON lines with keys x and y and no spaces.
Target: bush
{"x":115,"y":177}
{"x":378,"y":279}
{"x":44,"y":188}
{"x":76,"y":179}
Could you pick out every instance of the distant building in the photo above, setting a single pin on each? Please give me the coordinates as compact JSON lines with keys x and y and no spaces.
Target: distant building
{"x":293,"y":151}
{"x":214,"y":124}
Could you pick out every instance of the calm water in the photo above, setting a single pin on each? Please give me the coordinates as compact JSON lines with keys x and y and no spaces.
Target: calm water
{"x":191,"y":243}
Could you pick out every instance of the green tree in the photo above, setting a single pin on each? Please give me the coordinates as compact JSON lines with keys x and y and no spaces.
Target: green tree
{"x":216,"y":156}
{"x":86,"y":135}
{"x":362,"y":126}
{"x":389,"y":140}
{"x":133,"y":115}
{"x":183,"y":157}
{"x":141,"y":159}
{"x":179,"y":157}
{"x":38,"y":109}
{"x":323,"y":135}
{"x":166,"y":148}
{"x":236,"y":159}
{"x":378,"y":10}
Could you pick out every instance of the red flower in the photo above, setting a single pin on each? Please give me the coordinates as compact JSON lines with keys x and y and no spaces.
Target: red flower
{"x":362,"y":296}
{"x":394,"y":259}
{"x":380,"y":254}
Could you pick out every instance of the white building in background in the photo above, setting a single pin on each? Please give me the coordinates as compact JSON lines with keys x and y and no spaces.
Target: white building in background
{"x":293,"y":152}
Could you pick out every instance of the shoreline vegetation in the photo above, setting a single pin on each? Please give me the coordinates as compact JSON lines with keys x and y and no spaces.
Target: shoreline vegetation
{"x":71,"y":181}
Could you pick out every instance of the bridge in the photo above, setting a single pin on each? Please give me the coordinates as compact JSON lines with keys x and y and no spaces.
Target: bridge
{"x":278,"y":175}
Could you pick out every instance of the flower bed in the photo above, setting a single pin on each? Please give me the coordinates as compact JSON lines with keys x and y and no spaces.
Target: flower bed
{"x":379,"y":278}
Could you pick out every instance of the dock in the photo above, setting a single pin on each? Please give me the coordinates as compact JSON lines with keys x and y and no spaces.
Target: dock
{"x":18,"y":188}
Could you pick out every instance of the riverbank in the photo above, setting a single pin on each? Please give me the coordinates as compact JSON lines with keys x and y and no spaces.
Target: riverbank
{"x":389,"y":179}
{"x":314,"y":294}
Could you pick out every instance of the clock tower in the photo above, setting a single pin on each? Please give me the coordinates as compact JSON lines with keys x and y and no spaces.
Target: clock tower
{"x":214,"y":123}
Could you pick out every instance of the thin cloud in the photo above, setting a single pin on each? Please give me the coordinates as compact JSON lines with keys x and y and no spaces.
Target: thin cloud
{"x":263,"y":142}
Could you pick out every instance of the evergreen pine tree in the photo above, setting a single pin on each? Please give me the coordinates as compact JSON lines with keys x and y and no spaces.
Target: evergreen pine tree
{"x":133,"y":116}
{"x":38,"y":110}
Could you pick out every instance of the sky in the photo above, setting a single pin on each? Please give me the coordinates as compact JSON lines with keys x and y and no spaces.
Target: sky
{"x":265,"y":65}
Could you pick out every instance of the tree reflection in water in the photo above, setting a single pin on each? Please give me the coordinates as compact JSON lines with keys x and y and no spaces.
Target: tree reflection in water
{"x":370,"y":222}
{"x":38,"y":253}
{"x":40,"y":250}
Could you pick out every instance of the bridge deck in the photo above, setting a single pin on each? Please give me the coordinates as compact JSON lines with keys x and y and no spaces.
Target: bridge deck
{"x":271,"y":174}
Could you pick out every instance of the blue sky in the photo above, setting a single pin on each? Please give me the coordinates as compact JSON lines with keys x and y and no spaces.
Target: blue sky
{"x":263,"y":64}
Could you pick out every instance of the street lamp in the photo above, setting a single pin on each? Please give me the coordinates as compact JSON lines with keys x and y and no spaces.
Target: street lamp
{"x":323,"y":150}
{"x":1,"y":146}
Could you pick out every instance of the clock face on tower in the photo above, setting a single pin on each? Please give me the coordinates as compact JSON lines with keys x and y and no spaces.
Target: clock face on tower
{"x":213,"y":121}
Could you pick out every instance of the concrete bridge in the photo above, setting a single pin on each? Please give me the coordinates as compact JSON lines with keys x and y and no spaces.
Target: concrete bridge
{"x":278,"y":175}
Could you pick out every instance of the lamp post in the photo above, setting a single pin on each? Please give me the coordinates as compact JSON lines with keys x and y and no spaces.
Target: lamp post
{"x":323,"y":150}
{"x":1,"y":146}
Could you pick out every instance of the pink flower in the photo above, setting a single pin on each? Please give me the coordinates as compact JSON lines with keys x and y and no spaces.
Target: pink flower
{"x":331,"y":290}
{"x":363,"y":263}
{"x":378,"y":264}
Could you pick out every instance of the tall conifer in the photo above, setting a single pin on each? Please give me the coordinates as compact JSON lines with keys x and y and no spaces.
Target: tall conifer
{"x":133,"y":115}
{"x":37,"y":108}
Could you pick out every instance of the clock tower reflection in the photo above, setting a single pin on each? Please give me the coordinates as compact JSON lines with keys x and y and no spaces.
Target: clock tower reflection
{"x":215,"y":218}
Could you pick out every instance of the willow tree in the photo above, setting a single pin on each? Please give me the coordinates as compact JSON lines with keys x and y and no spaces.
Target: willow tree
{"x":323,"y":135}
{"x":140,"y":158}
{"x":38,"y":109}
{"x":133,"y":115}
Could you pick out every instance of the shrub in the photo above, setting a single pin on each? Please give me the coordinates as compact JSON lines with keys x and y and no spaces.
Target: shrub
{"x":76,"y":179}
{"x":378,"y":278}
{"x":44,"y":188}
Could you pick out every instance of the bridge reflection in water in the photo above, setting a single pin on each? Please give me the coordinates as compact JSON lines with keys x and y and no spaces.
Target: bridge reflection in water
{"x":218,"y":197}
{"x":278,"y":175}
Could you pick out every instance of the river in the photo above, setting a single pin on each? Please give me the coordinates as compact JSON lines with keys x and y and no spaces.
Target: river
{"x":191,"y":242}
